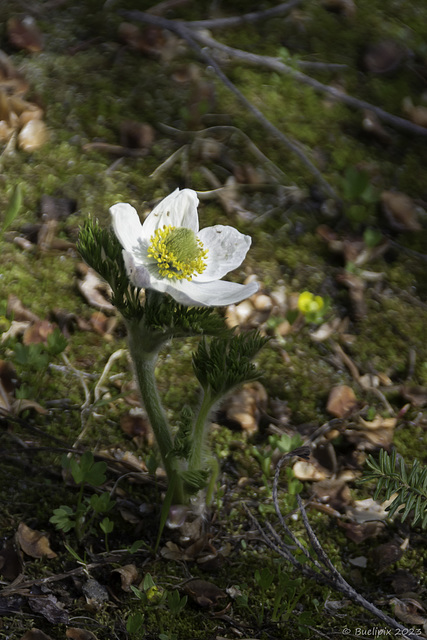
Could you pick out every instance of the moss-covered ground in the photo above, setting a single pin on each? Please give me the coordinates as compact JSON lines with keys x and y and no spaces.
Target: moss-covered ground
{"x":89,"y":82}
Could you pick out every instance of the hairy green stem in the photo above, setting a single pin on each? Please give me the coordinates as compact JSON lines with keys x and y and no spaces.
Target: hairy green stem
{"x":199,"y":433}
{"x":144,"y":350}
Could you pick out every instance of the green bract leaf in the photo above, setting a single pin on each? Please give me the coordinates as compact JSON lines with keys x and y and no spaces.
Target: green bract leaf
{"x":101,"y":250}
{"x":223,"y":363}
{"x":194,"y":480}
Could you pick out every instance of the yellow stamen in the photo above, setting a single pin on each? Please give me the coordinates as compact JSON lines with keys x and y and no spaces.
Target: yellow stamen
{"x":178,"y":253}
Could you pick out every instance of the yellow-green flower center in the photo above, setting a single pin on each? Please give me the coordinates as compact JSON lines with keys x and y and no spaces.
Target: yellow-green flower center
{"x":178,"y":252}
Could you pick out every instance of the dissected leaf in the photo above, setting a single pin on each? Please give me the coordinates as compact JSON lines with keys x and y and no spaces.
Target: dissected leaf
{"x":34,"y":543}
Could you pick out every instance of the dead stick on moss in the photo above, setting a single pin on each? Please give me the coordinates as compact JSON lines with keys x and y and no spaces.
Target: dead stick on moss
{"x":231,"y":130}
{"x":326,"y":572}
{"x":277,"y":65}
{"x":247,"y":18}
{"x":188,"y":35}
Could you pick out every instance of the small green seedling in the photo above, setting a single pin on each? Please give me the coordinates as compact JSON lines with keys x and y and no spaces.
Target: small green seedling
{"x":32,"y":362}
{"x":14,"y":206}
{"x":284,"y":443}
{"x":359,"y":195}
{"x":134,"y":625}
{"x":85,"y":471}
{"x":175,"y":603}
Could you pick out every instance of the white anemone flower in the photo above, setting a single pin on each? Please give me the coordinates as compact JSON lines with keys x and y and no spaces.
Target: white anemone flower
{"x":168,"y":253}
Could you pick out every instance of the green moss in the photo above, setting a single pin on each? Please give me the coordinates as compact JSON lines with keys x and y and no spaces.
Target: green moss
{"x":87,"y":94}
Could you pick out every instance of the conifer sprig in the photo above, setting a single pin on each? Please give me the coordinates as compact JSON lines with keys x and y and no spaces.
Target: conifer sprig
{"x":410,"y":486}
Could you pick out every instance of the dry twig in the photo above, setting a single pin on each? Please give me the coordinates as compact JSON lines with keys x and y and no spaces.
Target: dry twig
{"x":324,"y":572}
{"x":275,"y":64}
{"x":189,"y":35}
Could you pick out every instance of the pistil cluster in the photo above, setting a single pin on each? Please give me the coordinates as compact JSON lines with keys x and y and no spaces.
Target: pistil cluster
{"x":178,"y":252}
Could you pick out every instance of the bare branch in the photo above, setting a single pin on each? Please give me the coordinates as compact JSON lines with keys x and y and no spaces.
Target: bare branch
{"x":247,"y":18}
{"x":188,"y":35}
{"x":326,"y":572}
{"x":275,"y":64}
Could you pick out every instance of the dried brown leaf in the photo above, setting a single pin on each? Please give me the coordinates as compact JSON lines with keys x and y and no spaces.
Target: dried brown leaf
{"x":136,"y":135}
{"x":309,"y":471}
{"x":38,"y":332}
{"x":18,"y":311}
{"x":171,"y":551}
{"x":24,"y":404}
{"x":408,"y":611}
{"x":205,"y":594}
{"x":137,"y":426}
{"x":362,"y":531}
{"x":94,"y":290}
{"x":33,"y":135}
{"x":244,"y":408}
{"x":24,"y":33}
{"x":400,"y":211}
{"x":342,"y":401}
{"x":10,"y":562}
{"x":34,"y":543}
{"x":8,"y":376}
{"x":79,"y":634}
{"x":129,"y":575}
{"x":417,"y":396}
{"x":386,"y":554}
{"x":47,"y":604}
{"x":333,"y":492}
{"x":35,"y":634}
{"x":366,"y":510}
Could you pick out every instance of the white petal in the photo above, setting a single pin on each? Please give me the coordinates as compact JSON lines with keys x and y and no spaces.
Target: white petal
{"x":219,"y":293}
{"x":227,"y":249}
{"x":178,"y":209}
{"x":138,"y":274}
{"x":126,"y":224}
